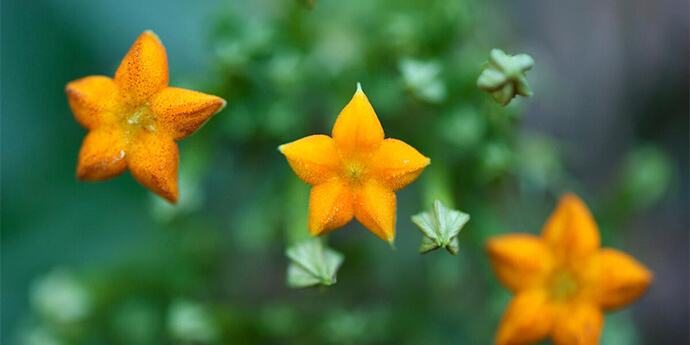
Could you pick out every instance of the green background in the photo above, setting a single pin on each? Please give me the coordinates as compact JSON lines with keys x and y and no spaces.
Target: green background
{"x":109,"y":263}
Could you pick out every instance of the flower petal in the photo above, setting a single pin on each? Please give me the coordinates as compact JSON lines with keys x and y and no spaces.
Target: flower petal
{"x":616,"y":279}
{"x":330,"y":207}
{"x":528,"y":319}
{"x":144,"y":70}
{"x":357,"y":129}
{"x":181,"y":112}
{"x":153,"y":161}
{"x":92,"y":100}
{"x":396,"y":164}
{"x":578,"y":324}
{"x":520,"y":261}
{"x":375,"y":209}
{"x":314,"y":159}
{"x":571,"y":229}
{"x":102,"y":155}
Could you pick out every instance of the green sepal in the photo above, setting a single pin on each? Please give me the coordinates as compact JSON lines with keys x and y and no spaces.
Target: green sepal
{"x":440,"y":227}
{"x":312,"y":263}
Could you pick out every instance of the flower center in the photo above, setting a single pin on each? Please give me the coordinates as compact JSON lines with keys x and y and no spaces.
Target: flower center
{"x":137,"y":118}
{"x":355,"y":171}
{"x":564,"y":286}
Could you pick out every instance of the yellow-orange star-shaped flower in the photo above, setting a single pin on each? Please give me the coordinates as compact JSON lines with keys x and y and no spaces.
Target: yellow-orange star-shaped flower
{"x":355,"y":173}
{"x":563,"y":281}
{"x":135,"y":118}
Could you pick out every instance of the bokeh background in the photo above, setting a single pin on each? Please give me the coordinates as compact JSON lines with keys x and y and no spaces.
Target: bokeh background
{"x":109,"y":263}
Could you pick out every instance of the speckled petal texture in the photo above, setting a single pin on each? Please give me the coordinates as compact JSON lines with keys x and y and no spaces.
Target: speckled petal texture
{"x":314,"y":159}
{"x":135,"y":118}
{"x":357,"y":129}
{"x":181,"y":112}
{"x":355,"y":173}
{"x":144,"y":70}
{"x":102,"y":155}
{"x":330,"y":207}
{"x":397,"y":164}
{"x":153,"y":162}
{"x":375,"y":209}
{"x":93,"y":100}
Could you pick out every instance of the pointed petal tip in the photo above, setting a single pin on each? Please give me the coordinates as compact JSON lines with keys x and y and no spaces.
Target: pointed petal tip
{"x":81,"y":174}
{"x":172,"y":199}
{"x":69,"y":87}
{"x":85,"y":174}
{"x":648,"y":276}
{"x":391,"y":243}
{"x":317,"y":231}
{"x":569,"y":195}
{"x":359,"y":87}
{"x":171,"y":196}
{"x":223,"y":104}
{"x":150,"y":32}
{"x":571,"y":199}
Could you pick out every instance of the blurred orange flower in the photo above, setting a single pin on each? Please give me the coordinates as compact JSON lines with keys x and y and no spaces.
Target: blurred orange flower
{"x":563,"y":281}
{"x":355,"y":173}
{"x":135,"y":118}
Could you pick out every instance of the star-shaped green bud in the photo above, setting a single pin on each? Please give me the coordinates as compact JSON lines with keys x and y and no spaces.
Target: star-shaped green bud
{"x":504,"y":76}
{"x":312,"y":263}
{"x":440,"y":227}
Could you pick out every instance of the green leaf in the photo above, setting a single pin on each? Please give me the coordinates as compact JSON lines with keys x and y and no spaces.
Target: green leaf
{"x":440,"y":227}
{"x":504,"y":76}
{"x":312,"y":264}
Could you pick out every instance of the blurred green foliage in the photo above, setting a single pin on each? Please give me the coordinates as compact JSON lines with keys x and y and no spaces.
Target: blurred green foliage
{"x":216,"y":273}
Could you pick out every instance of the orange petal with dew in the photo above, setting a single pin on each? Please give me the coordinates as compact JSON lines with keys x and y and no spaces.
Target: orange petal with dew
{"x":93,"y":100}
{"x":357,"y":131}
{"x":102,"y":155}
{"x":616,"y":279}
{"x":153,"y":161}
{"x":330,"y":207}
{"x":314,"y":159}
{"x":144,"y":70}
{"x":520,"y":261}
{"x":181,"y":112}
{"x":528,"y":319}
{"x":375,"y":209}
{"x":578,"y":323}
{"x":571,"y":229}
{"x":396,"y":164}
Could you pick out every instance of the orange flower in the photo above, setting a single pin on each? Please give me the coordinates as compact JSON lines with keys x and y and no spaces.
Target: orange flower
{"x":135,"y":118}
{"x":355,"y":173}
{"x":563,"y":281}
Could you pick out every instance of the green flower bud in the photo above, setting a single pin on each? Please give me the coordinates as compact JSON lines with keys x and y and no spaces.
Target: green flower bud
{"x":504,"y":77}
